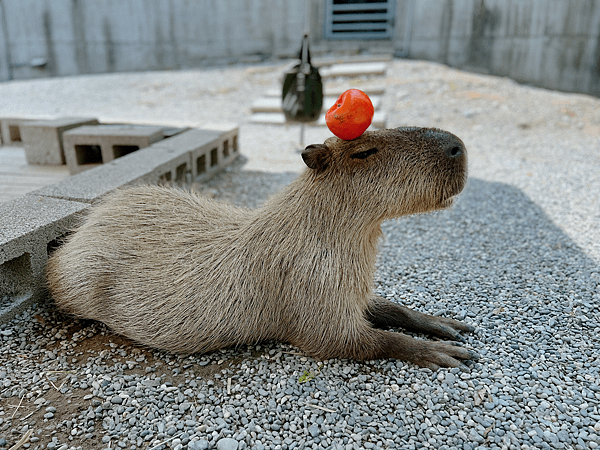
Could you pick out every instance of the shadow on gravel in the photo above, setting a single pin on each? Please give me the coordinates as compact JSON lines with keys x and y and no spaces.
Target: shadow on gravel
{"x":497,"y":259}
{"x":494,"y":258}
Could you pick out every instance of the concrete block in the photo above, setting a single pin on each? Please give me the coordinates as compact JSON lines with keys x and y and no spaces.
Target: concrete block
{"x":30,"y":228}
{"x":10,"y":128}
{"x":169,"y":160}
{"x":143,"y":166}
{"x":354,"y":70}
{"x":212,"y":158}
{"x":43,"y":139}
{"x":88,"y":146}
{"x":188,"y":142}
{"x":209,"y":150}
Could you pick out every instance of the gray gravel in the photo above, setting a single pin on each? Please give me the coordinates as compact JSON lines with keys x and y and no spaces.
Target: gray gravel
{"x":518,"y":256}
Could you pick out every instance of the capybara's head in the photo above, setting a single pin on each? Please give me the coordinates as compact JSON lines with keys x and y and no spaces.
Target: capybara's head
{"x":395,"y":172}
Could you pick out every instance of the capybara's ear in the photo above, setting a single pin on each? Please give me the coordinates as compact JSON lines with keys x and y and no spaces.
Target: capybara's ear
{"x":317,"y":156}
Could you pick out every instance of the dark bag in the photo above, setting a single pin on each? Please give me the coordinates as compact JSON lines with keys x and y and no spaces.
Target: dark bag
{"x":302,"y":95}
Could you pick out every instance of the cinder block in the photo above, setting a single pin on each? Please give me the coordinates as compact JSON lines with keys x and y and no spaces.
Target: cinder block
{"x":169,"y":160}
{"x":43,"y":139}
{"x":212,"y":158}
{"x":88,"y":146}
{"x":209,"y":150}
{"x":143,"y":166}
{"x":30,"y":228}
{"x":10,"y":128}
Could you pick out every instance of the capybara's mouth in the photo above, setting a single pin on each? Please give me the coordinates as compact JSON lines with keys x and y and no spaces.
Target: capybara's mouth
{"x":447,"y":203}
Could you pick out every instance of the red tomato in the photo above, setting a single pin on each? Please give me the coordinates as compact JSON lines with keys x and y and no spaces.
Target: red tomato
{"x":351,"y":115}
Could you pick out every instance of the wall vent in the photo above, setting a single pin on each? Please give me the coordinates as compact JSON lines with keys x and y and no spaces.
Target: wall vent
{"x":359,"y":19}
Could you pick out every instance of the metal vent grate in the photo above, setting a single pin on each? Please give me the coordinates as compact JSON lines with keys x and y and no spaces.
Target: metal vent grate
{"x":359,"y":19}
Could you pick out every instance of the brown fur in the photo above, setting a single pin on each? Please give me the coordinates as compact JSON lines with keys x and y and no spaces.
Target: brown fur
{"x":176,"y":271}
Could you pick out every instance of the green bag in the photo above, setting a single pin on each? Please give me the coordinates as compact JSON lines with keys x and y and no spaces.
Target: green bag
{"x":302,"y":95}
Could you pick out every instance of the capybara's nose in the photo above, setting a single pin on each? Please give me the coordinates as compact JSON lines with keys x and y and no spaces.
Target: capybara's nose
{"x":449,"y":144}
{"x":455,"y":150}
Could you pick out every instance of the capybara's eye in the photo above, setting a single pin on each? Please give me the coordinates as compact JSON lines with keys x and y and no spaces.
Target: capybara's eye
{"x":365,"y":154}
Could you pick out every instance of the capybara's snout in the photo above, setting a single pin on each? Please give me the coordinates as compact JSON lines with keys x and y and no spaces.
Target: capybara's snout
{"x":449,"y":145}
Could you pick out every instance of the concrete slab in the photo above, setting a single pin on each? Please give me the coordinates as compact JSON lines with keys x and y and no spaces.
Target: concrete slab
{"x":325,"y":61}
{"x":43,"y":139}
{"x":88,"y":146}
{"x":30,"y":228}
{"x":10,"y":129}
{"x":379,"y":119}
{"x":354,"y":70}
{"x":336,"y":91}
{"x":273,"y":104}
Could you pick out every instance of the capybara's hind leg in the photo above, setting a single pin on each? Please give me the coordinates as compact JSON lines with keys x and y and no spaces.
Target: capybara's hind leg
{"x":384,"y":313}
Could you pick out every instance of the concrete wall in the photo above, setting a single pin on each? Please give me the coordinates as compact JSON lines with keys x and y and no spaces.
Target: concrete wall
{"x":550,"y":43}
{"x":89,"y":36}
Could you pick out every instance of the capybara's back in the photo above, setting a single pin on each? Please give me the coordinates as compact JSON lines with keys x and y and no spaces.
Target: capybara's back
{"x":176,"y":271}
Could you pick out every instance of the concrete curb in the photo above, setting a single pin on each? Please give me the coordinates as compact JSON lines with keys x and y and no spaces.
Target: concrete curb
{"x":32,"y":226}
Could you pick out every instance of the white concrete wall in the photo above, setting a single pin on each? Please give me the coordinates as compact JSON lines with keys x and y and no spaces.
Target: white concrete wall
{"x":550,"y":43}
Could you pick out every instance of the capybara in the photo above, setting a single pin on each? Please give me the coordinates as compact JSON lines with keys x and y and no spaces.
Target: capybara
{"x":173,"y":270}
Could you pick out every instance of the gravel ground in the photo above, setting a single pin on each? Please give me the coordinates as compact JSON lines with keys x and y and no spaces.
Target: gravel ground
{"x":518,"y":256}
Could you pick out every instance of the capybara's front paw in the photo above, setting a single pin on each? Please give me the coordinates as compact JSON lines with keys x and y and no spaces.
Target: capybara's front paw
{"x":449,"y":328}
{"x":444,"y":354}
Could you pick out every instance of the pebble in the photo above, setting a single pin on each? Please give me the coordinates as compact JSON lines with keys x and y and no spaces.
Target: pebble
{"x":516,"y":256}
{"x":201,"y":444}
{"x":227,"y":444}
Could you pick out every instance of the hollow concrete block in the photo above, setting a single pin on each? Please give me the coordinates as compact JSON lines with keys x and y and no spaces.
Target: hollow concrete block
{"x":166,"y":161}
{"x":142,"y":166}
{"x":43,"y":139}
{"x":10,"y":129}
{"x":202,"y":145}
{"x":88,"y":146}
{"x":30,"y":228}
{"x":213,"y":156}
